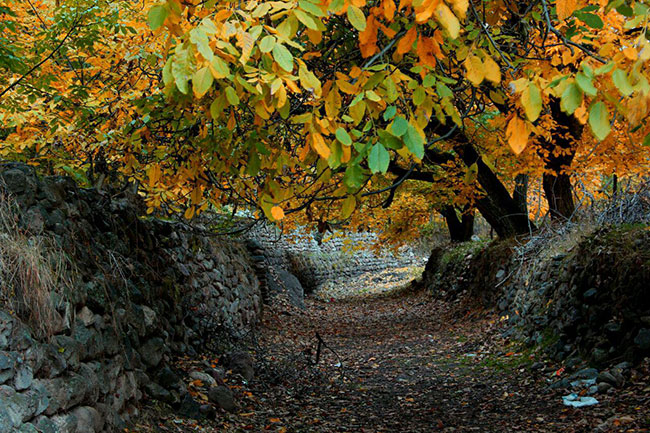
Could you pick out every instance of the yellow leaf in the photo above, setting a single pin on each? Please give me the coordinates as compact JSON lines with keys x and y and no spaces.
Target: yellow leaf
{"x":517,"y":134}
{"x":475,"y":70}
{"x":491,"y":70}
{"x":448,"y":20}
{"x":318,"y":144}
{"x":154,"y":173}
{"x":460,"y":7}
{"x":565,"y":8}
{"x":277,"y":213}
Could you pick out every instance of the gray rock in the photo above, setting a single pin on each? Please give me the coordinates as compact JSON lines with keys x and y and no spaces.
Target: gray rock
{"x":86,"y":316}
{"x":189,"y":408}
{"x":16,"y":406}
{"x":88,"y":419}
{"x":241,"y":363}
{"x":223,"y":397}
{"x":149,"y":318}
{"x":24,"y":376}
{"x":46,"y":425}
{"x":65,"y":423}
{"x":168,"y":379}
{"x":203,"y":377}
{"x":603,"y":387}
{"x":14,"y":180}
{"x":91,"y":342}
{"x":152,"y":351}
{"x":585,"y":373}
{"x":284,"y":282}
{"x":157,"y":392}
{"x":27,"y":428}
{"x":607,"y":377}
{"x":642,"y":339}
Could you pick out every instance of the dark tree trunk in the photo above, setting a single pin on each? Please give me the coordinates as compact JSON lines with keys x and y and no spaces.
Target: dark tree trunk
{"x":559,"y":194}
{"x":520,"y":194}
{"x":460,"y":229}
{"x":497,"y":206}
{"x":560,"y":151}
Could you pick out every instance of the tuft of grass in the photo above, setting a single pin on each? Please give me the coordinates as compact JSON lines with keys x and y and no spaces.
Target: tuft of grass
{"x":35,"y":274}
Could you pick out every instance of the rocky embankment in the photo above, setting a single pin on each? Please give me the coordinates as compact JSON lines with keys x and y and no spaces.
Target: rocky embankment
{"x":142,"y":291}
{"x":587,"y":301}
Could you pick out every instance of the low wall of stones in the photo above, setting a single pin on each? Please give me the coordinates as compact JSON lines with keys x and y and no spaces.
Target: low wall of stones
{"x":337,"y":257}
{"x":143,"y":291}
{"x":589,"y":299}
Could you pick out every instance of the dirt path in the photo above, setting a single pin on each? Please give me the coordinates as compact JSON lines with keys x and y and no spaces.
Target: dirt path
{"x":407,"y":364}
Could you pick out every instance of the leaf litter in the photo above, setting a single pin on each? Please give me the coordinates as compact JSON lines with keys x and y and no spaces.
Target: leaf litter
{"x":402,"y":362}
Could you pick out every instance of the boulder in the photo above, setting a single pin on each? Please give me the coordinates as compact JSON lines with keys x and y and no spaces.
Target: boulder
{"x":223,"y":397}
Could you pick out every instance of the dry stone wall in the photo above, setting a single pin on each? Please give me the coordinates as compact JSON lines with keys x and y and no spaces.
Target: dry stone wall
{"x":338,"y":257}
{"x":144,"y":290}
{"x":588,"y":301}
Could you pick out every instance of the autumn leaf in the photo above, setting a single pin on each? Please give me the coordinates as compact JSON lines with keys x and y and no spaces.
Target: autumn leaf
{"x":492,"y":71}
{"x":277,"y":212}
{"x":565,"y":8}
{"x":475,"y":71}
{"x":517,"y":134}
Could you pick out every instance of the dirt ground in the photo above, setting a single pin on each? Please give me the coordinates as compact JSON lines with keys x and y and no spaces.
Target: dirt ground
{"x":404,"y":363}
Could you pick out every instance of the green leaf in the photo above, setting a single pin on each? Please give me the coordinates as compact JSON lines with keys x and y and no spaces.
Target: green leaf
{"x":310,"y":7}
{"x":182,"y":67}
{"x":217,"y":106}
{"x":156,"y":16}
{"x":220,"y":68}
{"x":389,"y":140}
{"x":343,"y":136}
{"x":399,"y":127}
{"x":202,"y":81}
{"x":283,"y":56}
{"x":231,"y":95}
{"x":443,"y":90}
{"x":336,"y":6}
{"x":306,"y":19}
{"x":591,"y":20}
{"x":419,"y":95}
{"x":531,"y":99}
{"x":646,"y":141}
{"x":348,"y":207}
{"x":584,"y":82}
{"x":389,"y":113}
{"x":599,"y":120}
{"x":571,"y":98}
{"x":267,"y":43}
{"x":605,"y":68}
{"x":622,"y":83}
{"x":414,"y":142}
{"x":378,"y":158}
{"x":353,"y":177}
{"x":357,"y":18}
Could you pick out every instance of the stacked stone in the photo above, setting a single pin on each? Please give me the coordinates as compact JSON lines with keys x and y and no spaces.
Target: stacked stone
{"x":144,"y":290}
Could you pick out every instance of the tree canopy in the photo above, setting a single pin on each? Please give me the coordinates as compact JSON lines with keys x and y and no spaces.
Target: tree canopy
{"x":326,"y":110}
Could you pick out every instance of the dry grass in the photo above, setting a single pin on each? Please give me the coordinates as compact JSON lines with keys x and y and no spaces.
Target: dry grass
{"x":35,"y":274}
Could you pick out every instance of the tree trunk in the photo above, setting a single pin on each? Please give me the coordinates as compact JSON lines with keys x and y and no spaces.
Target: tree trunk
{"x":460,"y":229}
{"x":558,"y":192}
{"x":497,"y":206}
{"x":560,"y":150}
{"x":520,"y":194}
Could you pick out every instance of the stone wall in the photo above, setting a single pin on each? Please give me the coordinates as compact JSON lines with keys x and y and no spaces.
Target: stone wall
{"x":144,"y":290}
{"x":589,"y":299}
{"x":339,"y":256}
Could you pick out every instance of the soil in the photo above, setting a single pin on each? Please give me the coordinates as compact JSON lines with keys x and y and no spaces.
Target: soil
{"x":404,"y":362}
